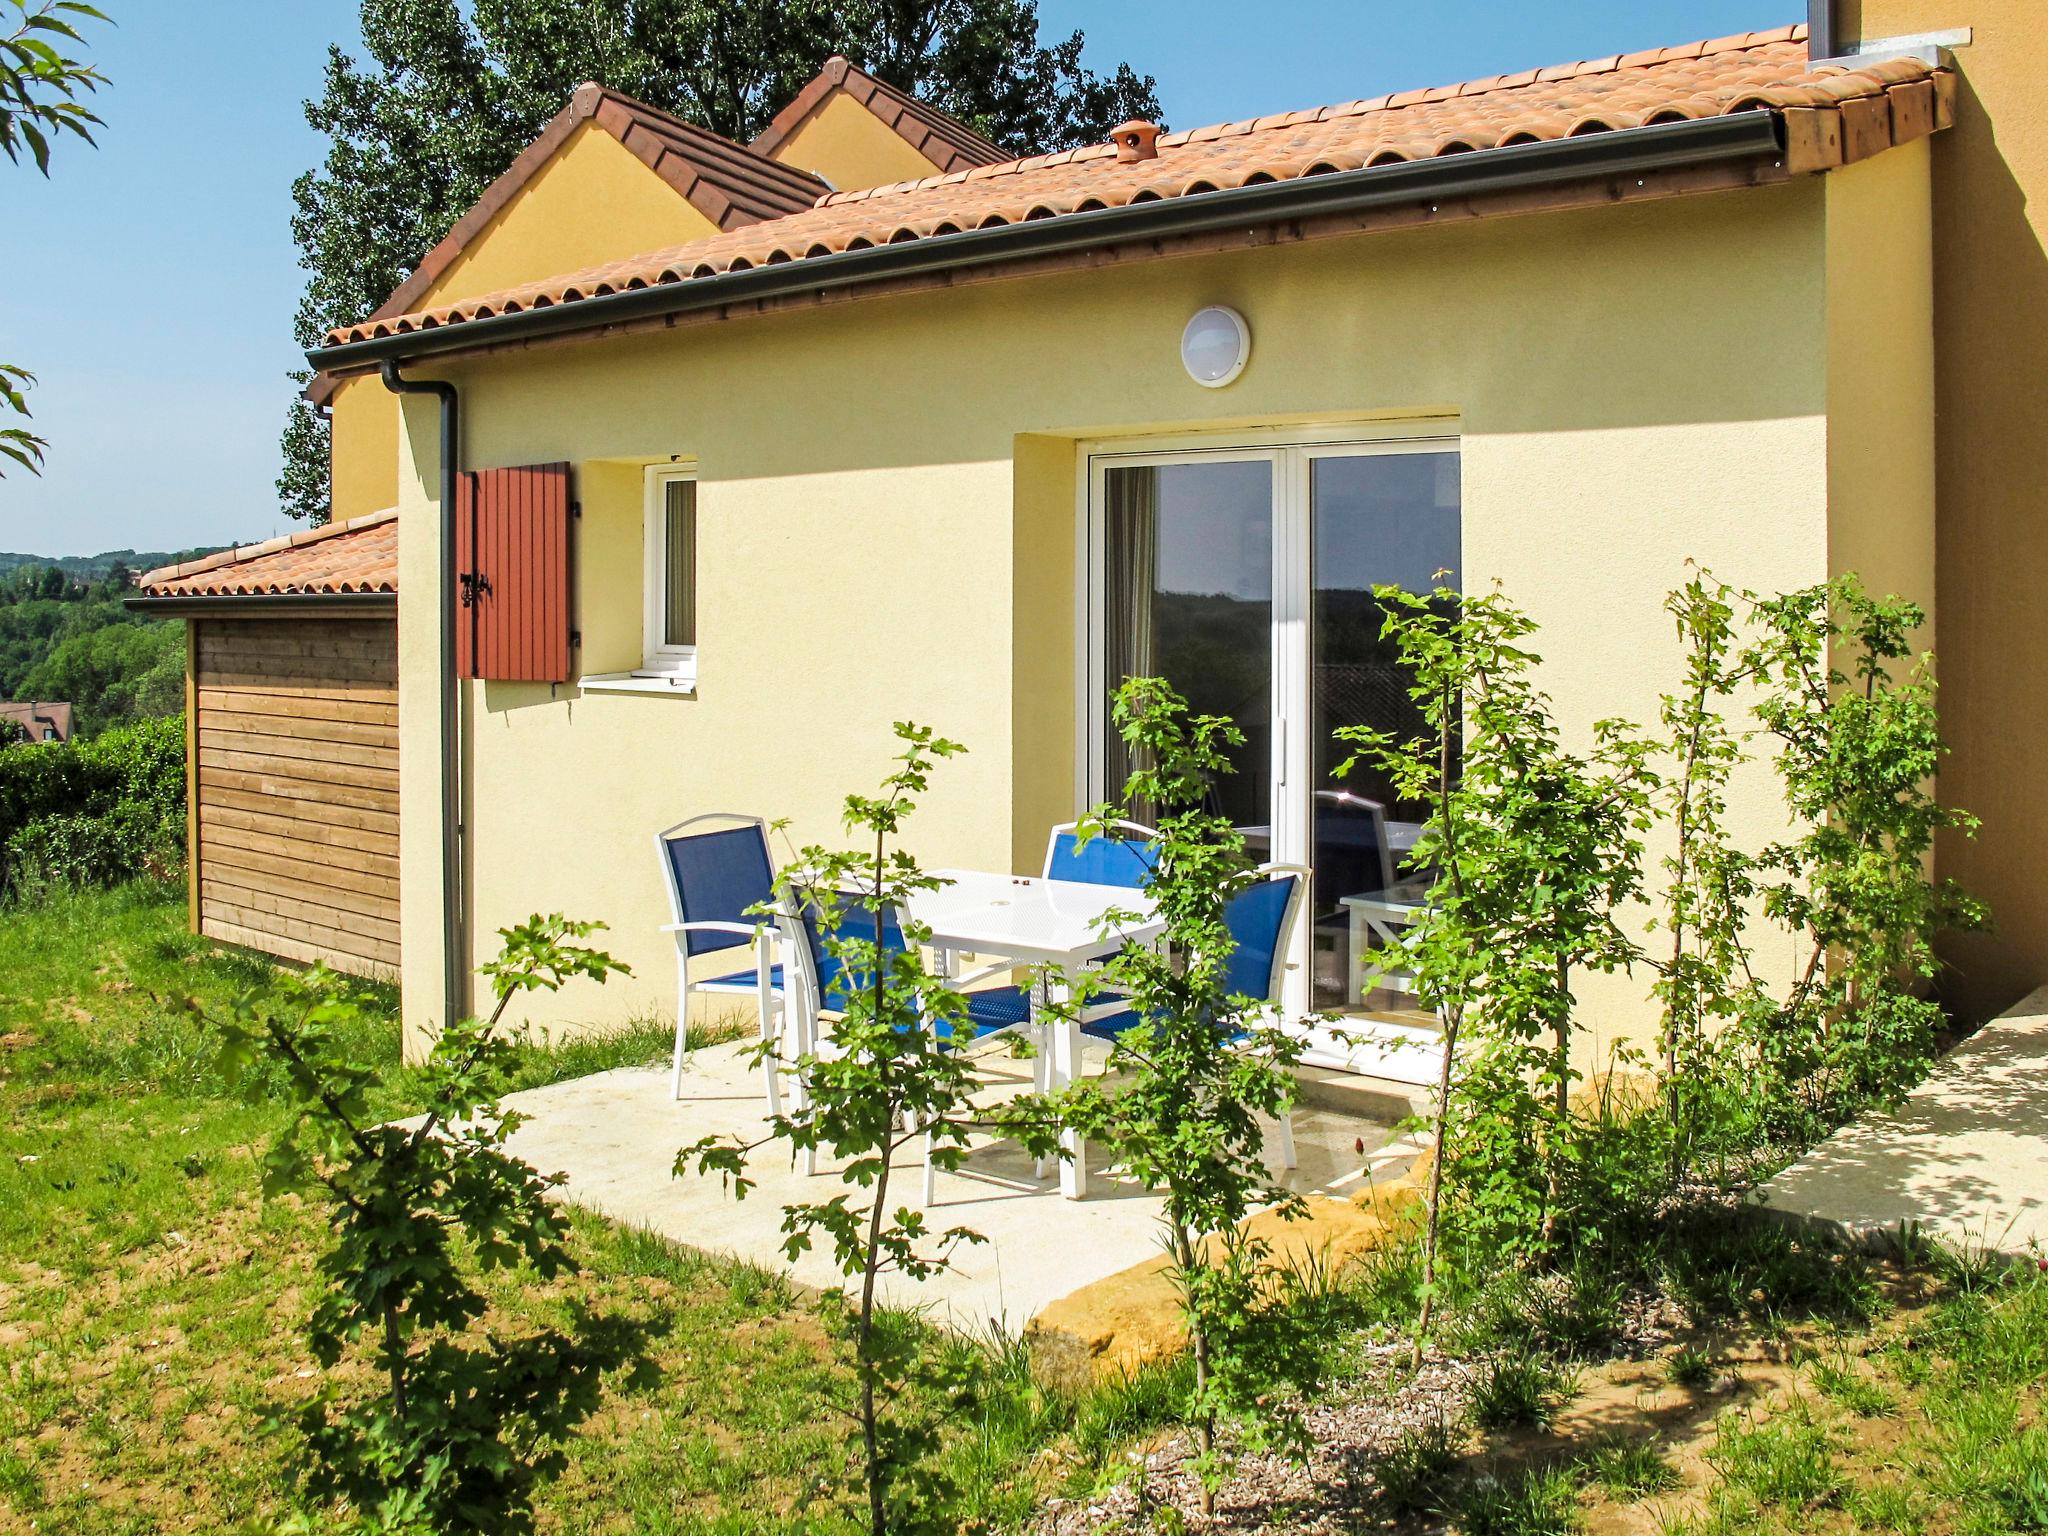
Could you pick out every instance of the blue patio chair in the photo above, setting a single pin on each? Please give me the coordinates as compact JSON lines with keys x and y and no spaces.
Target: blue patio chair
{"x":822,"y":986}
{"x":1127,"y":857}
{"x":718,"y":873}
{"x":1261,"y":920}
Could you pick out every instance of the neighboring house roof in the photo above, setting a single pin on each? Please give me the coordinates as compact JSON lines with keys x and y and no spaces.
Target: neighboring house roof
{"x":359,"y":556}
{"x":37,"y":717}
{"x":944,"y":140}
{"x":1833,"y":112}
{"x":726,"y":182}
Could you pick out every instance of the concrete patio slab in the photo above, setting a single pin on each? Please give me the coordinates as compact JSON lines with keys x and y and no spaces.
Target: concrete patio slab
{"x":615,"y":1136}
{"x":1965,"y":1159}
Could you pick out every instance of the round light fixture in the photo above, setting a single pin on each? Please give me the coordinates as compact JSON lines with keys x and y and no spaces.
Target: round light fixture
{"x":1215,"y":346}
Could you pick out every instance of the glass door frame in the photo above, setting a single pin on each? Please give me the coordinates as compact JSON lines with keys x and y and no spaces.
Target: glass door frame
{"x":1292,"y":457}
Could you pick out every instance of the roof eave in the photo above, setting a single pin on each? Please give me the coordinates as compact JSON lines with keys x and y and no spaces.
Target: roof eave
{"x":190,"y":605}
{"x":1738,"y":136}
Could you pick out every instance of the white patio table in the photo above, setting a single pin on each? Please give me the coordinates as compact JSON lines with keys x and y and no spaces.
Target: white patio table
{"x":1036,"y":921}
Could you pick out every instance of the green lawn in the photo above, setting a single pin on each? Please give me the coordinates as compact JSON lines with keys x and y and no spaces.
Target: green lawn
{"x":151,"y":1304}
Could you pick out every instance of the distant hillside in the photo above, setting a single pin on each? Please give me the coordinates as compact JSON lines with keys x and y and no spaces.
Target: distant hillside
{"x":94,"y":567}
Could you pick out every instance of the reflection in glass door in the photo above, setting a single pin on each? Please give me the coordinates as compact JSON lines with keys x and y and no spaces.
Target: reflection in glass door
{"x":1245,"y":577}
{"x":1187,"y":595}
{"x":1376,"y":519}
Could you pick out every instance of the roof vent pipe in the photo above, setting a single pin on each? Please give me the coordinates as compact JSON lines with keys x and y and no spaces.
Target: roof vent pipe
{"x":1135,"y":140}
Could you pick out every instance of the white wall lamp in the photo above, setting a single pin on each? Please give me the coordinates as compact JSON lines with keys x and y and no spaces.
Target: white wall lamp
{"x":1215,"y":346}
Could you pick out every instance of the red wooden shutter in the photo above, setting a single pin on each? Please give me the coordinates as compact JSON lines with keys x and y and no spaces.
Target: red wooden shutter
{"x":512,"y":564}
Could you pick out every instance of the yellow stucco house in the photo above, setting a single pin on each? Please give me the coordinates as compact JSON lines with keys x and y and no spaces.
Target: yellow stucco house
{"x":709,"y":463}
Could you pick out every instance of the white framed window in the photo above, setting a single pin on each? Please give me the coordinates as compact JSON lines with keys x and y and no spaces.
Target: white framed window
{"x":671,"y":596}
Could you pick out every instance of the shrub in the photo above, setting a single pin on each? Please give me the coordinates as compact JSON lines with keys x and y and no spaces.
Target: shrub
{"x":95,"y":812}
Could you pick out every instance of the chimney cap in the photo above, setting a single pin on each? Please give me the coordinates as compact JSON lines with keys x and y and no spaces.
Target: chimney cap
{"x":1136,"y":140}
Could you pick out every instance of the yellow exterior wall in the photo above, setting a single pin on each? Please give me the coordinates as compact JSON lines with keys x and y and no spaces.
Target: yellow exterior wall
{"x":593,"y":202}
{"x":887,"y":514}
{"x":363,"y":420}
{"x":1990,"y":174}
{"x":850,"y":147}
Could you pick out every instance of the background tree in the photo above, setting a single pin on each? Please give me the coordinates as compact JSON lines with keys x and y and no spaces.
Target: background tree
{"x":40,"y":87}
{"x":441,"y":103}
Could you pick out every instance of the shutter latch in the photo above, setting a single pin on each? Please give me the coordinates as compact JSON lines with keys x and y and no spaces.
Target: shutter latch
{"x":475,"y":585}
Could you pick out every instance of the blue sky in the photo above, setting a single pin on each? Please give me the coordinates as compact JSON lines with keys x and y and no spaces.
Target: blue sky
{"x":151,"y":283}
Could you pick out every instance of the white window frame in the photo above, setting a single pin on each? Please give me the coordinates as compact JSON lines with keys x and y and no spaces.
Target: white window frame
{"x":661,"y":660}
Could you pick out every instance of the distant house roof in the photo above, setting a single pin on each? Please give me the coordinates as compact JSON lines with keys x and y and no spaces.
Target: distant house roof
{"x":1832,"y":113}
{"x":944,"y":140}
{"x":358,"y":557}
{"x":42,"y":721}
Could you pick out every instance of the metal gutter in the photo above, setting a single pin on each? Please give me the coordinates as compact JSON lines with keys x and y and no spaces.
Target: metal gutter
{"x":1621,"y":152}
{"x":454,"y":970}
{"x":179,"y":605}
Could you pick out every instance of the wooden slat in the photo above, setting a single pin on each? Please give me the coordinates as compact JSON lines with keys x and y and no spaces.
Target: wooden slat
{"x":374,"y":788}
{"x":288,"y":650}
{"x":300,"y":748}
{"x":297,"y":949}
{"x":260,"y":909}
{"x":314,"y":853}
{"x":250,"y":878}
{"x":313,"y":684}
{"x":221,"y":856}
{"x":344,"y":838}
{"x":300,"y":728}
{"x":311,"y":805}
{"x":311,"y":706}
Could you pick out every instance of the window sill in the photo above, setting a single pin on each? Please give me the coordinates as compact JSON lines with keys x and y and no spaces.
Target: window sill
{"x":680,"y":685}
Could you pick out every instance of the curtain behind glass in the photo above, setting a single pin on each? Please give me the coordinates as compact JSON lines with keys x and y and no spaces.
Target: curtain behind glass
{"x":1131,"y":574}
{"x":679,"y":564}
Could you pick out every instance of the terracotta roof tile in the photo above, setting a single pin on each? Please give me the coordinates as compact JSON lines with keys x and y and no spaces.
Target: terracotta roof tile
{"x":360,"y":555}
{"x":1767,"y":70}
{"x":944,"y":140}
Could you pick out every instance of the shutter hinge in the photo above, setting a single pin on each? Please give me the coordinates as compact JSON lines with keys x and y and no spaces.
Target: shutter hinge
{"x":575,"y":509}
{"x":576,"y":639}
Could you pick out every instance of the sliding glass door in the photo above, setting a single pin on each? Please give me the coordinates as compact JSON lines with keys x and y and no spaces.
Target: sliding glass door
{"x":1244,"y":577}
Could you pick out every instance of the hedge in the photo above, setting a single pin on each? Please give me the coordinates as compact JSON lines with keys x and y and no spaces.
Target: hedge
{"x":94,"y":812}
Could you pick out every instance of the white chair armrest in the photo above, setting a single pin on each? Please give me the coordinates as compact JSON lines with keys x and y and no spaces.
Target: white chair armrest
{"x":742,"y":929}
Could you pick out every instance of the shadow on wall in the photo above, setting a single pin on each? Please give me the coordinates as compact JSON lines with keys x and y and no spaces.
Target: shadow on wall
{"x":1991,"y":544}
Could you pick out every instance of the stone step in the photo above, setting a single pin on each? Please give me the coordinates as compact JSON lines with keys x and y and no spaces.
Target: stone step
{"x":1382,"y":1068}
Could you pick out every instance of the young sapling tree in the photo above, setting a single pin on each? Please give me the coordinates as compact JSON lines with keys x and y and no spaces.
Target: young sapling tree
{"x":887,"y":1076}
{"x":459,"y":1433}
{"x":1190,"y":1084}
{"x":1853,"y":711}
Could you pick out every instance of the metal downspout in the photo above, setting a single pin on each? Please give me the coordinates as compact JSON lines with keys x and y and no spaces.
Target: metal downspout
{"x":452,"y":967}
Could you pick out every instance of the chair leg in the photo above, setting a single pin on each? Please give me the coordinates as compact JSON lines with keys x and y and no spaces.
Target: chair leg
{"x":1287,"y":1158}
{"x":1041,"y":1077}
{"x":675,"y":1082}
{"x":931,"y":1172}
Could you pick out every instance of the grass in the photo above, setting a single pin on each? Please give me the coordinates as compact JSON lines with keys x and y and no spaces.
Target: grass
{"x":1629,"y":1471}
{"x":151,"y":1303}
{"x":151,"y":1307}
